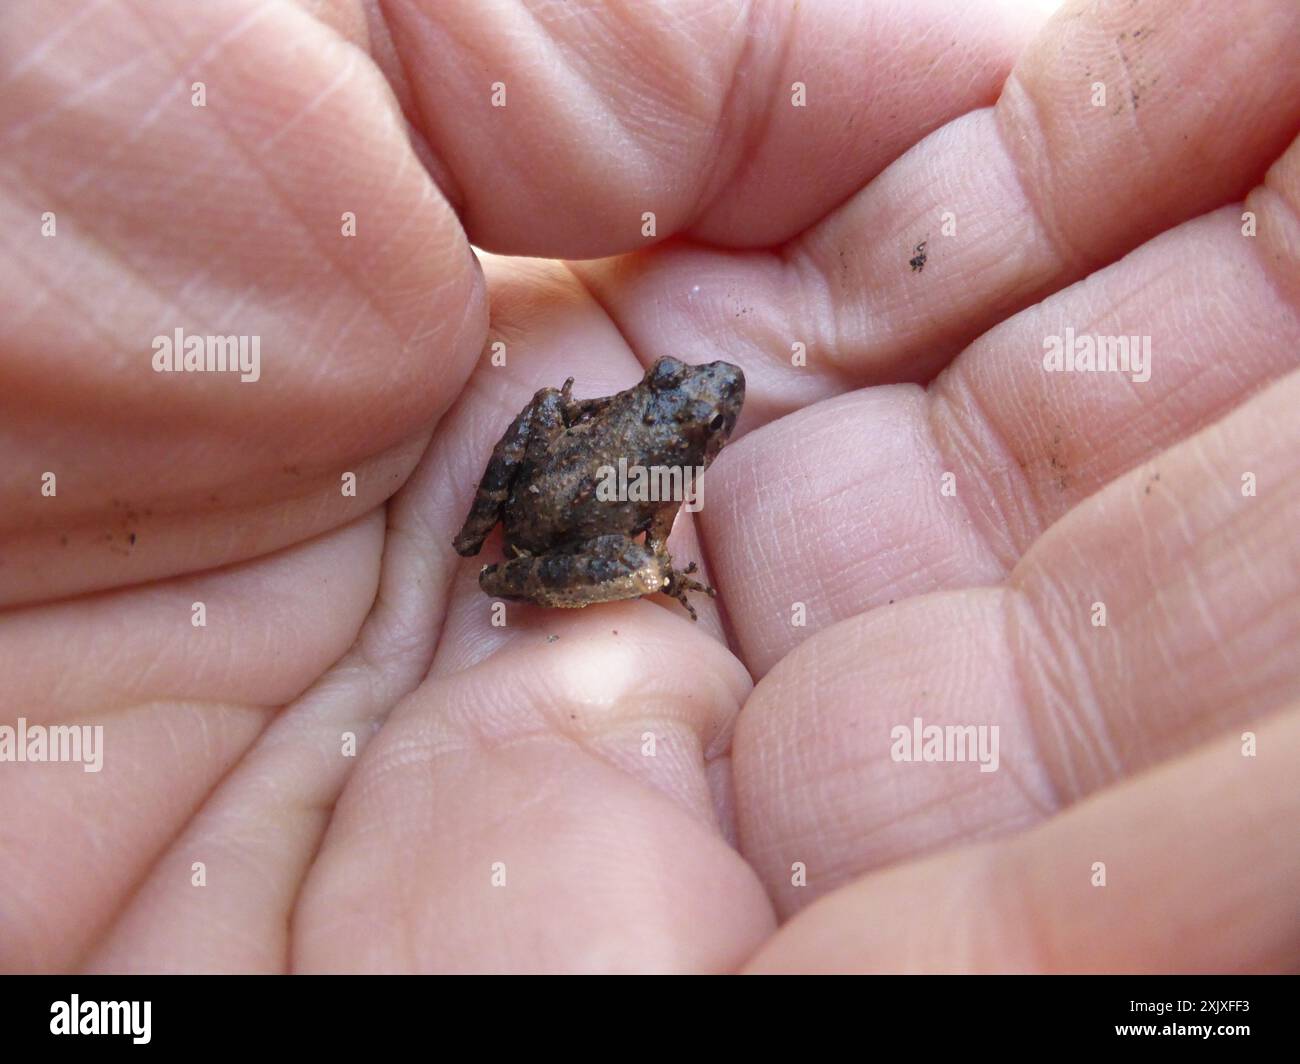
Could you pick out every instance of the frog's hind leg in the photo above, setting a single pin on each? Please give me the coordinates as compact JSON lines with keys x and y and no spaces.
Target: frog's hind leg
{"x":604,"y":569}
{"x":494,"y":488}
{"x":528,"y":436}
{"x":678,"y":581}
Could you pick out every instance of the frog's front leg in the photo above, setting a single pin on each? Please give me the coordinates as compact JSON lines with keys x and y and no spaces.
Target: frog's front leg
{"x":531,"y":430}
{"x":604,"y":569}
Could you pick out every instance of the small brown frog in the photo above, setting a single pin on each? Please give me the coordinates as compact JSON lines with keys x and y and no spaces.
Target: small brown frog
{"x":569,"y":540}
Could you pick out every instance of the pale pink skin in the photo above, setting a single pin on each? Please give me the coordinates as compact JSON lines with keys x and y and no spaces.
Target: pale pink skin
{"x":479,"y":744}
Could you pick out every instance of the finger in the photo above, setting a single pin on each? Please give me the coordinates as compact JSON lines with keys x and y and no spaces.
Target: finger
{"x":1012,"y":203}
{"x":546,"y":810}
{"x":1206,"y":835}
{"x":260,"y":830}
{"x":1161,"y":612}
{"x":128,"y":212}
{"x":562,"y":126}
{"x":151,"y":668}
{"x":949,"y":490}
{"x":221,"y":896}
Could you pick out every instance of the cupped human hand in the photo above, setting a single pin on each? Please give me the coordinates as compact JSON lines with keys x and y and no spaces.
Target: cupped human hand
{"x":322,"y":750}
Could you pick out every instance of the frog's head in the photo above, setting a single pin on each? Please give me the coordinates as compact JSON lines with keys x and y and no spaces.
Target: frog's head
{"x":706,"y":400}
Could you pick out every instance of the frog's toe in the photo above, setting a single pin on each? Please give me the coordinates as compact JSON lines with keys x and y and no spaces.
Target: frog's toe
{"x":681,"y":597}
{"x":679,"y":584}
{"x":684,"y":584}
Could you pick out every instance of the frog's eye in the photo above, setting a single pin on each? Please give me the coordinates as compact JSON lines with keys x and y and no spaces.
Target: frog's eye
{"x":666,"y":373}
{"x":716,"y":424}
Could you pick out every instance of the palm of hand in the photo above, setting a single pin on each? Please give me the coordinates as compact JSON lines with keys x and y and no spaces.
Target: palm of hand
{"x":366,"y":773}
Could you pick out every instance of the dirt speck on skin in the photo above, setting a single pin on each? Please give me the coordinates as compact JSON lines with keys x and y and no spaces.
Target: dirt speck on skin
{"x":1147,"y":490}
{"x":1138,"y":85}
{"x":552,"y":638}
{"x":1057,"y":463}
{"x":120,"y":549}
{"x":919,"y":256}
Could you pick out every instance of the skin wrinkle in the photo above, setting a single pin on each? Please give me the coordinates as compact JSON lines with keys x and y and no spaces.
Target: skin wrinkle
{"x":578,"y":86}
{"x":728,"y":96}
{"x":652,"y":118}
{"x":144,"y":870}
{"x":1020,"y":633}
{"x":323,"y":809}
{"x":559,"y":59}
{"x":232,"y":35}
{"x":22,"y":130}
{"x":58,"y":35}
{"x":163,"y":595}
{"x":940,"y":401}
{"x":340,"y":79}
{"x":1091,"y":726}
{"x":395,"y":537}
{"x":1278,"y":273}
{"x":798,"y":260}
{"x":287,"y":202}
{"x":758,"y":128}
{"x":1197,"y":594}
{"x":1009,"y":893}
{"x":378,"y":18}
{"x":1020,"y":123}
{"x":417,"y":335}
{"x":69,"y":295}
{"x":1054,"y":696}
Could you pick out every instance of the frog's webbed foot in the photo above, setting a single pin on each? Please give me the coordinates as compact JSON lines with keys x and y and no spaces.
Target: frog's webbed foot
{"x":679,"y":583}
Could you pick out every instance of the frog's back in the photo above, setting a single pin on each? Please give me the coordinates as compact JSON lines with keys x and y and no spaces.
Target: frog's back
{"x":567,"y":502}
